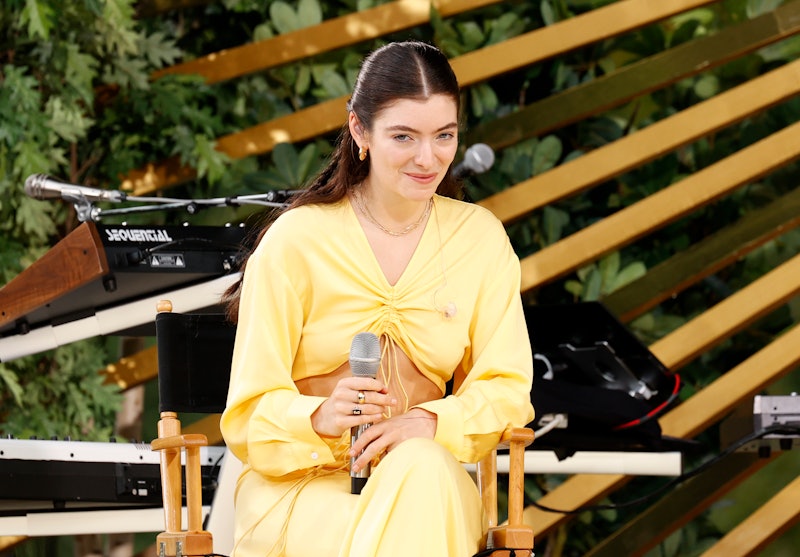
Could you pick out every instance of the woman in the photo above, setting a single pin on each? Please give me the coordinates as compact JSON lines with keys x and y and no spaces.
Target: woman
{"x":375,"y":245}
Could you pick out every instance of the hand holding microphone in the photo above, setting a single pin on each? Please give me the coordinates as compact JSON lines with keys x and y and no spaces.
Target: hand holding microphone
{"x":365,"y":360}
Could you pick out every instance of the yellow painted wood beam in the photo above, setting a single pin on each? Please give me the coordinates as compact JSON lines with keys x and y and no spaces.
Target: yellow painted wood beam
{"x":7,"y":542}
{"x":661,"y":208}
{"x":133,"y":370}
{"x":646,"y":144}
{"x":708,"y":256}
{"x":702,"y":54}
{"x":765,"y":525}
{"x":680,"y":506}
{"x":470,"y":68}
{"x":566,"y":35}
{"x":730,"y":316}
{"x":327,"y":36}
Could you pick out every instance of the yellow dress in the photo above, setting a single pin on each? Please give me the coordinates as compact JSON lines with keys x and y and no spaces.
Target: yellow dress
{"x":310,"y":286}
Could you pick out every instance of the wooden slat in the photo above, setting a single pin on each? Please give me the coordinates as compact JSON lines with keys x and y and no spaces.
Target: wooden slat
{"x":569,"y":34}
{"x":636,"y":79}
{"x":695,"y":337}
{"x":762,"y":527}
{"x":8,"y":542}
{"x":730,"y":316}
{"x":708,"y":256}
{"x":646,"y":144}
{"x":329,"y":35}
{"x":133,"y":370}
{"x":688,"y":419}
{"x":678,"y":507}
{"x":470,"y":68}
{"x":661,"y":208}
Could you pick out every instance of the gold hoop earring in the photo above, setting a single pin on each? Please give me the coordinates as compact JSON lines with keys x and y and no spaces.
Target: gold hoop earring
{"x":362,"y":153}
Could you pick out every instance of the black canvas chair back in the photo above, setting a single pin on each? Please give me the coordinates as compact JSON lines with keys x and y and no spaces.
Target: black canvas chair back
{"x":194,"y":361}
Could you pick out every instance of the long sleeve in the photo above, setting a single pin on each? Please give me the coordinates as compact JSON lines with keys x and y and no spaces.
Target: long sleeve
{"x":267,"y":421}
{"x":498,"y":365}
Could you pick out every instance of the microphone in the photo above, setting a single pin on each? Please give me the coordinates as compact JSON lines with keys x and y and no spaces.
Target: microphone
{"x":365,"y":359}
{"x":41,"y":187}
{"x":478,"y":158}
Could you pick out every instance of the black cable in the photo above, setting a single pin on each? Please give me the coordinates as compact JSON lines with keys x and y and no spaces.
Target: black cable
{"x":678,"y":479}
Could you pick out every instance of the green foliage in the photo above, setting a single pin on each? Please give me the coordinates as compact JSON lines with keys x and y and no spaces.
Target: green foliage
{"x":600,"y":279}
{"x":64,"y":396}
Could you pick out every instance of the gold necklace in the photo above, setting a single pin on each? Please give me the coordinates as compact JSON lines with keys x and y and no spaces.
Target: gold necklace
{"x":364,"y":211}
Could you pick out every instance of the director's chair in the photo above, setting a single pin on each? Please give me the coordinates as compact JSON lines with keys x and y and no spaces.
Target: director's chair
{"x":194,"y":353}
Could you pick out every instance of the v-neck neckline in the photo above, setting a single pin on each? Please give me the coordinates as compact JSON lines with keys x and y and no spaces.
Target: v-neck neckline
{"x":414,"y":254}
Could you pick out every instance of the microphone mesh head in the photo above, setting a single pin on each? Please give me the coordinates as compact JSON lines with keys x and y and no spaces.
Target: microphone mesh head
{"x":33,"y":185}
{"x":365,"y":355}
{"x":479,"y":157}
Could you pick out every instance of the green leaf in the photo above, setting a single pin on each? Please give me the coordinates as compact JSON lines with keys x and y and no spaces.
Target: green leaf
{"x":263,"y":32}
{"x":471,"y":34}
{"x":548,"y":15}
{"x":285,"y":160}
{"x":67,"y":121}
{"x":81,"y":72}
{"x":506,"y":26}
{"x":334,"y":84}
{"x":707,"y":86}
{"x":574,"y":287}
{"x":592,"y":286}
{"x":35,"y":219}
{"x":553,"y":220}
{"x":305,"y":162}
{"x":211,"y":163}
{"x":629,"y":274}
{"x":609,"y":267}
{"x":547,"y":153}
{"x":584,"y":272}
{"x":128,"y":72}
{"x":309,"y":13}
{"x":159,"y":50}
{"x":488,"y":97}
{"x":283,"y":17}
{"x":476,"y":103}
{"x":39,"y":17}
{"x":116,"y":28}
{"x":11,"y":383}
{"x":303,"y":80}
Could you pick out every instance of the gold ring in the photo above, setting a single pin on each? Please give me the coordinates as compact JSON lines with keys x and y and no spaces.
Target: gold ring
{"x":361,"y":397}
{"x":356,"y":411}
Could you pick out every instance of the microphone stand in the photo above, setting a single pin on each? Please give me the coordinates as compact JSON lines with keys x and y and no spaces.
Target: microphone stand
{"x":86,"y":210}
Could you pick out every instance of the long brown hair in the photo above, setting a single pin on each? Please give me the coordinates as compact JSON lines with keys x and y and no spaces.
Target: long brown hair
{"x":400,"y":70}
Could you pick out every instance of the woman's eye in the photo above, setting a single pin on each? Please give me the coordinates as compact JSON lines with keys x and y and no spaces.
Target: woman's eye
{"x":402,"y":137}
{"x":447,"y":135}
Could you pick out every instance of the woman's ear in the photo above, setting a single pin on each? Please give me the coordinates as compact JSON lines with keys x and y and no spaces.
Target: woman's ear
{"x":356,"y":130}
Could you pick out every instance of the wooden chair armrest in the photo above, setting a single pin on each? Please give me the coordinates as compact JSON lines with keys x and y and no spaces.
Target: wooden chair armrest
{"x":516,"y":435}
{"x":179,"y":441}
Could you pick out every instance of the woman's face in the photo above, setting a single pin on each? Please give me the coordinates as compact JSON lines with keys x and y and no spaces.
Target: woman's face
{"x":411,"y":145}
